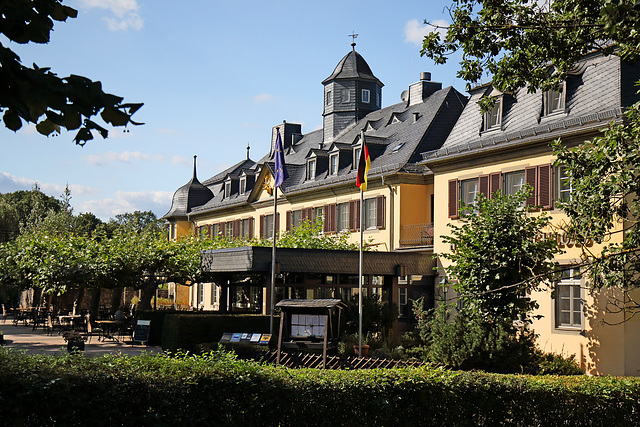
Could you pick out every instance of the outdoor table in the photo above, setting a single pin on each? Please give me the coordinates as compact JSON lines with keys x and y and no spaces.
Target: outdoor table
{"x":109,"y":329}
{"x":66,"y":321}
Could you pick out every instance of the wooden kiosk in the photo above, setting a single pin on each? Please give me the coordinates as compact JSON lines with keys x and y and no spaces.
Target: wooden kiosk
{"x":309,"y":324}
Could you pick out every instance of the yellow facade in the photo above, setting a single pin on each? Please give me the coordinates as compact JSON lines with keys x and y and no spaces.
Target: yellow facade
{"x":605,"y":343}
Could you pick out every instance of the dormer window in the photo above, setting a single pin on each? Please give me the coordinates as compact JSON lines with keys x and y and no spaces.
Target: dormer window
{"x":311,"y":169}
{"x":243,"y":185}
{"x":554,"y":101}
{"x":356,"y":157}
{"x":493,"y":117}
{"x":333,"y":164}
{"x":227,"y":189}
{"x":366,"y":96}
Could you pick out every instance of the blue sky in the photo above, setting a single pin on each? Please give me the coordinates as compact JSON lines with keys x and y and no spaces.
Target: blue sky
{"x":214,"y":77}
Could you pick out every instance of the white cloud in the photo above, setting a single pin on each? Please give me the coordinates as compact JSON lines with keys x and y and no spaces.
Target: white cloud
{"x":262,"y":98}
{"x":125,"y":11}
{"x":159,"y":202}
{"x":414,"y":32}
{"x":124,"y":157}
{"x":10,"y":183}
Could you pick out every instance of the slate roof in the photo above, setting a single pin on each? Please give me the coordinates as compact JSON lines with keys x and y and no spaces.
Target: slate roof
{"x":253,"y":259}
{"x":394,"y":147}
{"x":190,"y":195}
{"x":352,"y":66}
{"x":596,"y":93}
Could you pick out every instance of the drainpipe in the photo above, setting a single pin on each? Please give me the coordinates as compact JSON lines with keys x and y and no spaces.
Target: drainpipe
{"x":391,"y":216}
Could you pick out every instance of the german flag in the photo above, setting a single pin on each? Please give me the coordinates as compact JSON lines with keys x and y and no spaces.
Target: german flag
{"x":363,"y":166}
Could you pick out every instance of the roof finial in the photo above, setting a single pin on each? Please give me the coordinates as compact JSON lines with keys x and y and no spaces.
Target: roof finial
{"x":194,"y":167}
{"x":248,"y":148}
{"x":353,"y":37}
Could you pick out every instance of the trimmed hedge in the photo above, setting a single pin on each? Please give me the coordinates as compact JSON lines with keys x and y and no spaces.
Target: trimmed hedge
{"x":217,"y":389}
{"x":187,"y":331}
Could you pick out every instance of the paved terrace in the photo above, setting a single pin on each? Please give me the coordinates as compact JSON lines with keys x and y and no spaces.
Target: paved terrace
{"x":39,"y":342}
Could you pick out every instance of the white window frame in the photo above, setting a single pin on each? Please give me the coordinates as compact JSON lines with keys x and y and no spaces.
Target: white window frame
{"x":268,"y":226}
{"x":564,"y":186}
{"x":296,"y":218}
{"x":334,"y":164}
{"x":245,"y":227}
{"x":403,"y":300}
{"x":468,"y":191}
{"x":370,"y":211}
{"x":554,"y":101}
{"x":512,"y":182}
{"x":228,"y":229}
{"x":569,"y":300}
{"x":243,"y":185}
{"x":493,"y":117}
{"x":366,"y":96}
{"x":356,"y":156}
{"x":311,"y":169}
{"x":227,"y":189}
{"x":342,"y":215}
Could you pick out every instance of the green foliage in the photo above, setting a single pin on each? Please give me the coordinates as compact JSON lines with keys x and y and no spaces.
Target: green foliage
{"x":377,"y":316}
{"x":467,"y":341}
{"x":526,"y":43}
{"x":22,"y":208}
{"x":37,"y":95}
{"x":499,"y":257}
{"x":605,"y":193}
{"x":218,"y":389}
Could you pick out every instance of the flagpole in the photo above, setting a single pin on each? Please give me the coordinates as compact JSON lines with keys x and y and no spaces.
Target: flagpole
{"x":273,"y":259}
{"x":360,"y":276}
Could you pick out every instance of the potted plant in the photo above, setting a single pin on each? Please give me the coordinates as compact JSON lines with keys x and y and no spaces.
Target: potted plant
{"x":365,"y":345}
{"x":75,"y":341}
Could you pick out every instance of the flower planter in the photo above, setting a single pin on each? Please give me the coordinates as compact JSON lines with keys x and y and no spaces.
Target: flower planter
{"x":365,"y":350}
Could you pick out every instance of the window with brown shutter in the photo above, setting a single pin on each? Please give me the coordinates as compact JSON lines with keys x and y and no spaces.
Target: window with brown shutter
{"x":453,"y":198}
{"x":263,"y":227}
{"x":354,"y":215}
{"x":330,"y":224}
{"x":251,"y":227}
{"x":530,"y":179}
{"x":484,"y":185}
{"x":223,"y":229}
{"x":380,"y":211}
{"x":495,"y":183}
{"x":544,"y":186}
{"x":288,"y":220}
{"x":237,"y":228}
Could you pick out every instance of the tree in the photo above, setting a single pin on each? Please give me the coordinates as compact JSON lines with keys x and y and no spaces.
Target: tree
{"x":21,"y":208}
{"x":498,"y":258}
{"x":37,"y":95}
{"x":522,"y":43}
{"x":604,"y":175}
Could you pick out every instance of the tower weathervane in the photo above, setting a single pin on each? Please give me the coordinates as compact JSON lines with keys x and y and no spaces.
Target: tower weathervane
{"x":353,"y":36}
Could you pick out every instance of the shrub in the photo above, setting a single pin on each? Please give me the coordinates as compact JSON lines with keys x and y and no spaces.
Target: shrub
{"x":218,"y":389}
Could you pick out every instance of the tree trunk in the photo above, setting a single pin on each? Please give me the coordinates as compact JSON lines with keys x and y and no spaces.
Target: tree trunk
{"x":116,"y":299}
{"x":148,"y":292}
{"x":95,"y":301}
{"x":77,"y":304}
